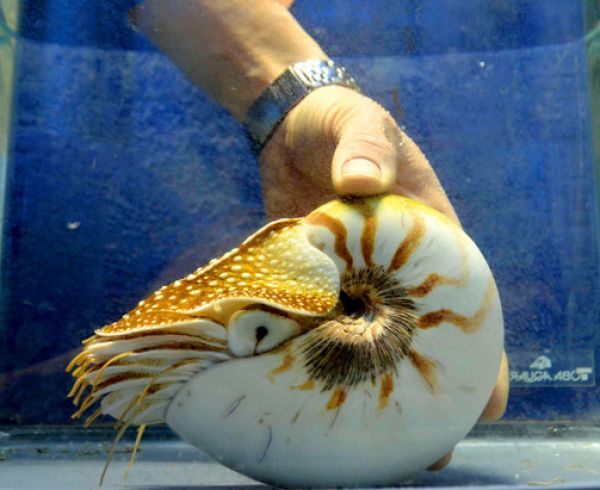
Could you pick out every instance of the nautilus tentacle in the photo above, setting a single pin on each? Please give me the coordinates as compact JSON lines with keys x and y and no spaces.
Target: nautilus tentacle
{"x":354,"y":346}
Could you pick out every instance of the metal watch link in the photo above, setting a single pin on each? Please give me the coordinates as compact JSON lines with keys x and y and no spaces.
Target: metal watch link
{"x":296,"y":82}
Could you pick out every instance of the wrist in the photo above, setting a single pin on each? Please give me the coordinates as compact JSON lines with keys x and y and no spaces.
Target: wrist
{"x":231,"y":49}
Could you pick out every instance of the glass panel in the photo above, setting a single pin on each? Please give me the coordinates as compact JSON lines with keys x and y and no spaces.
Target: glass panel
{"x":118,"y":175}
{"x":8,"y":27}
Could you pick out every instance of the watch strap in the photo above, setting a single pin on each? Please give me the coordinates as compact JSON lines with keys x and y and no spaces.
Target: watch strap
{"x":280,"y":97}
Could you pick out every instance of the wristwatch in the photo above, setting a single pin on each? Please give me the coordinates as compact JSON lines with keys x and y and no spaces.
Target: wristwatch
{"x":295,"y":83}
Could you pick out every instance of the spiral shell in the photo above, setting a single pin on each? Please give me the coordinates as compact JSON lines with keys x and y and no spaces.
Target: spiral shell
{"x":354,"y":346}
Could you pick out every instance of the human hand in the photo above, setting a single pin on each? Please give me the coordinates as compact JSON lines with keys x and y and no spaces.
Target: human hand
{"x":339,"y":142}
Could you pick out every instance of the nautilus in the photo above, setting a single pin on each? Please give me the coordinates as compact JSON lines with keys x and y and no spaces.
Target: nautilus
{"x":353,"y":346}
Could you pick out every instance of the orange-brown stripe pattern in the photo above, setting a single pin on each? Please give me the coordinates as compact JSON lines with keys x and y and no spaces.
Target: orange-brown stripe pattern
{"x":337,"y":399}
{"x":385,"y":390}
{"x":426,"y":368}
{"x":367,"y":237}
{"x":409,"y":244}
{"x":467,"y":324}
{"x":288,"y":361}
{"x":338,"y":229}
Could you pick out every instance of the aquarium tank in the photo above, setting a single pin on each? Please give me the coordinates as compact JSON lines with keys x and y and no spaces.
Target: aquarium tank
{"x":119,"y":173}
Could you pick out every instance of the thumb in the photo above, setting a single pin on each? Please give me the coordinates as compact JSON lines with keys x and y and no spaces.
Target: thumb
{"x":364,"y":161}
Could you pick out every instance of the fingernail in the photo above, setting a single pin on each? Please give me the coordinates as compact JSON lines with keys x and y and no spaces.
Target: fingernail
{"x":361,"y":166}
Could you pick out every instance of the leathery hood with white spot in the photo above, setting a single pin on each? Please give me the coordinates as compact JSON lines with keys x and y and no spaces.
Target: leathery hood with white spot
{"x":354,"y":346}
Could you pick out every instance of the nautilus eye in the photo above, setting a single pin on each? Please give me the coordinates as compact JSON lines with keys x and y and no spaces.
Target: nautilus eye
{"x":252,"y":332}
{"x":354,"y":346}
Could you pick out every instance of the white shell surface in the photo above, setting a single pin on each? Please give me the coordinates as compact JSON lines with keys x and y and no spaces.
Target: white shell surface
{"x":261,"y":426}
{"x":265,"y":417}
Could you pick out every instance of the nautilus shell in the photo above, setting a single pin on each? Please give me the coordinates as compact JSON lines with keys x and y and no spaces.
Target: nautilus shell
{"x":354,"y":346}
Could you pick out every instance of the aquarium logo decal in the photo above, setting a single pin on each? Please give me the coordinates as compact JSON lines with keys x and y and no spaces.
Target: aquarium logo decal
{"x":542,"y":362}
{"x":572,"y":368}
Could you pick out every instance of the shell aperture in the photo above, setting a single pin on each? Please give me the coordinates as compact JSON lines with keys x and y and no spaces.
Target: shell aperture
{"x":354,"y":346}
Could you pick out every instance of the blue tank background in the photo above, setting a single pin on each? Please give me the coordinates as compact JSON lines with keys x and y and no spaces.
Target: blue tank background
{"x":124,"y":176}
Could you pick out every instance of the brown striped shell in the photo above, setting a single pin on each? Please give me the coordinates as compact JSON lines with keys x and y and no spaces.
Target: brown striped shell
{"x":378,"y":303}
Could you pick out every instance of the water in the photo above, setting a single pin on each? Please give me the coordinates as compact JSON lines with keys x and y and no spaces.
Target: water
{"x":593,"y":49}
{"x":122,"y":176}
